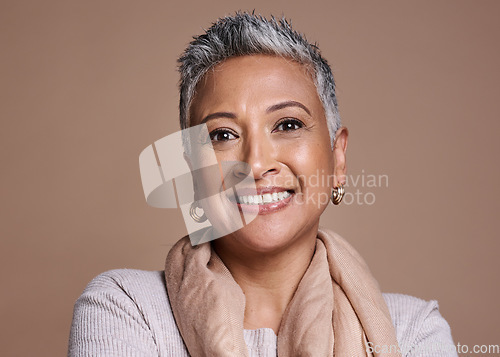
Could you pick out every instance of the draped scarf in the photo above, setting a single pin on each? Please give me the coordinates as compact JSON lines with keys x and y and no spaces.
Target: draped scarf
{"x":337,"y":308}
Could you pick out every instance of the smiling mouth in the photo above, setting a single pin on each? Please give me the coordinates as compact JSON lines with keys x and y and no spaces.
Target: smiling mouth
{"x":264,"y":199}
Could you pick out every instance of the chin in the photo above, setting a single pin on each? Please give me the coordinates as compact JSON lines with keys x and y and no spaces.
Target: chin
{"x":261,"y":236}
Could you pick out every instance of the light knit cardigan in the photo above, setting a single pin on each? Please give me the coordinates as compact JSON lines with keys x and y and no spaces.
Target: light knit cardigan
{"x":127,"y":313}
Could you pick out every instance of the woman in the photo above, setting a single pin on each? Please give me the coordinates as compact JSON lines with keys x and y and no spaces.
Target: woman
{"x":278,"y":285}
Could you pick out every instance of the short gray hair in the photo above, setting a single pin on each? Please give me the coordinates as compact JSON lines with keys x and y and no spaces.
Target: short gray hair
{"x":249,"y":34}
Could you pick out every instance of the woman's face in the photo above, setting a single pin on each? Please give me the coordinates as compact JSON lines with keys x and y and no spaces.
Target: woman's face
{"x":265,"y":111}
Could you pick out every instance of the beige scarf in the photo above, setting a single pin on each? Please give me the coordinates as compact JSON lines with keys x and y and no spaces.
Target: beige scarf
{"x":336,"y":310}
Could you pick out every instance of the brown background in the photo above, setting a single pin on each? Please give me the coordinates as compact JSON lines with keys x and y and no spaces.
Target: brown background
{"x":86,"y":85}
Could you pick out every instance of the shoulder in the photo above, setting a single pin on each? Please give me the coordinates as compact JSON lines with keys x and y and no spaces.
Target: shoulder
{"x":127,"y":280}
{"x":137,"y":292}
{"x":420,"y":328}
{"x":409,"y":312}
{"x":131,"y":289}
{"x":125,"y":303}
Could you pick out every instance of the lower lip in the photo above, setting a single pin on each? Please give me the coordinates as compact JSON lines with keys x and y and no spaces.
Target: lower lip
{"x":266,"y":208}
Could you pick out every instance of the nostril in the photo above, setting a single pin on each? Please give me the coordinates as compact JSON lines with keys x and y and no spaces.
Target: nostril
{"x":271,"y":171}
{"x":241,"y":173}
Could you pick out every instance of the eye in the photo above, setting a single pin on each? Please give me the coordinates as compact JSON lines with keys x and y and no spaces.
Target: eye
{"x":219,"y":135}
{"x":289,"y":125}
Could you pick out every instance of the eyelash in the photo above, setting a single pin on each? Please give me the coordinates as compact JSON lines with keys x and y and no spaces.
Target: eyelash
{"x":297,"y":123}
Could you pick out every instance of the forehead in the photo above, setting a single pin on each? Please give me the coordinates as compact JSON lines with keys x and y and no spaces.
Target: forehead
{"x":256,"y":79}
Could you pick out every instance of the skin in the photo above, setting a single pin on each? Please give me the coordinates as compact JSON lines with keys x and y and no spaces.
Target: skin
{"x":284,"y":146}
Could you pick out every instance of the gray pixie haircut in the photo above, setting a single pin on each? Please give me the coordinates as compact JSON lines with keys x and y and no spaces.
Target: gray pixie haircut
{"x":250,"y":34}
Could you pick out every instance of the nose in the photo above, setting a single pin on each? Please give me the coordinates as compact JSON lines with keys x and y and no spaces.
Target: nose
{"x":260,"y":154}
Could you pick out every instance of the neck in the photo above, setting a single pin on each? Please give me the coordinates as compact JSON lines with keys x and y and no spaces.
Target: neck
{"x":268,"y":279}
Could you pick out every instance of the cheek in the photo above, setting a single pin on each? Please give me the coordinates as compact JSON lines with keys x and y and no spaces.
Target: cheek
{"x":313,"y":163}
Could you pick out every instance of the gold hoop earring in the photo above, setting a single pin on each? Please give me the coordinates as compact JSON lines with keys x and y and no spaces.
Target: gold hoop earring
{"x":194,"y":215}
{"x":338,"y":194}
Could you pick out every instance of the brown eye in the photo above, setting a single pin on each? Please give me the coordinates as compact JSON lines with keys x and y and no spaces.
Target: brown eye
{"x":289,"y":125}
{"x":221,"y":135}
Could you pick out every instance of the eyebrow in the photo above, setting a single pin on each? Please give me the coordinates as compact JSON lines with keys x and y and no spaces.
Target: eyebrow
{"x":218,"y":115}
{"x":287,"y":104}
{"x":272,"y":108}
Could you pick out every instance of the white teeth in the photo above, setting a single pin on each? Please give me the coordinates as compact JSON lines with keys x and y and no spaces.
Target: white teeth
{"x":266,"y":198}
{"x":263,"y":199}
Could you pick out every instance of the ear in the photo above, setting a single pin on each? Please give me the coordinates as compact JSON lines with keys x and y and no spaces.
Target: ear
{"x":339,"y":156}
{"x":188,"y":161}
